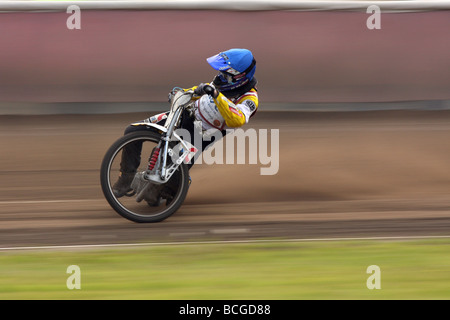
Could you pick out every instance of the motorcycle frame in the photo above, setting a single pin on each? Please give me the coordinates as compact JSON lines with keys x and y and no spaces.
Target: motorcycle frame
{"x":161,"y":173}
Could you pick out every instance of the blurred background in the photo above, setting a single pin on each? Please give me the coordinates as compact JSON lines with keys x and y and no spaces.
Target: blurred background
{"x":137,"y":56}
{"x":363,"y":116}
{"x":67,"y":94}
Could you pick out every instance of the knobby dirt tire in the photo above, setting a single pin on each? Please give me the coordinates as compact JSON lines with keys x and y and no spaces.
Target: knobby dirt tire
{"x":106,"y":183}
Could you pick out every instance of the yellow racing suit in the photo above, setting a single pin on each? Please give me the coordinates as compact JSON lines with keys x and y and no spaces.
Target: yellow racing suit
{"x":221,"y":112}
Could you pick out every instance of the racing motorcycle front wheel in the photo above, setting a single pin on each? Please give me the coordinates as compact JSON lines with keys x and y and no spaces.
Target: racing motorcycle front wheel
{"x":145,"y":201}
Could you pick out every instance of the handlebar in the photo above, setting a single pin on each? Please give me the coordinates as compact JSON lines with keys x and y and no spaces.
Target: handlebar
{"x":209,"y":89}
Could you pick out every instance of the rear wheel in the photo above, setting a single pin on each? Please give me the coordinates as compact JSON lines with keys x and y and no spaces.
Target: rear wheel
{"x":162,"y":201}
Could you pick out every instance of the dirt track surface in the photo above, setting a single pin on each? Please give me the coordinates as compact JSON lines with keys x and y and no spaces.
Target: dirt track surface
{"x":349,"y":174}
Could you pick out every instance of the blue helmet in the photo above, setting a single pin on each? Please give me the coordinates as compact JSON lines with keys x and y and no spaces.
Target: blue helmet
{"x":236,"y":68}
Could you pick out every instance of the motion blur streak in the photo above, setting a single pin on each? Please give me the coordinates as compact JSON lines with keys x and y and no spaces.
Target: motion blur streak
{"x":345,"y":174}
{"x":352,"y":174}
{"x":302,"y":56}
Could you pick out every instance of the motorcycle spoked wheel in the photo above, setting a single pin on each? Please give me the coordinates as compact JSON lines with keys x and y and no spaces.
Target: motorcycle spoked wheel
{"x":126,"y":206}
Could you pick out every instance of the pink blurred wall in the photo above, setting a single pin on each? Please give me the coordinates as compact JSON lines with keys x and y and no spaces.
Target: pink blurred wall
{"x":301,"y":56}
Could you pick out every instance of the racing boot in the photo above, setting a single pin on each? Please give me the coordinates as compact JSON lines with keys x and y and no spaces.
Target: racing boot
{"x":153,"y":198}
{"x":122,"y":186}
{"x":151,"y":194}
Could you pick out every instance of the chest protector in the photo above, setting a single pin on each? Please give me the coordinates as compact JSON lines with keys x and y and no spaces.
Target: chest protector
{"x":207,"y":112}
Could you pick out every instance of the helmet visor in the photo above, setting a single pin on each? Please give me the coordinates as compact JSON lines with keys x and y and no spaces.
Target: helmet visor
{"x":218,"y":62}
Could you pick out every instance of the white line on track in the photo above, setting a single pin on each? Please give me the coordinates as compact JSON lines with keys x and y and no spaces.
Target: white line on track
{"x":185,"y":234}
{"x":150,"y":244}
{"x":229,"y":230}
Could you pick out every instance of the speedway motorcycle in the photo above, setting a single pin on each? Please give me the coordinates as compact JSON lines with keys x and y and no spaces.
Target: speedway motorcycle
{"x":165,"y":177}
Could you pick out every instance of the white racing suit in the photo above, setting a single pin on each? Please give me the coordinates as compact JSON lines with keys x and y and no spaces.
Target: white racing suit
{"x":220,"y":113}
{"x":223,"y":113}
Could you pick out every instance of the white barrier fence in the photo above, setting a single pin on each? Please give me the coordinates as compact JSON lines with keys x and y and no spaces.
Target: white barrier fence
{"x":243,"y":5}
{"x":310,"y":57}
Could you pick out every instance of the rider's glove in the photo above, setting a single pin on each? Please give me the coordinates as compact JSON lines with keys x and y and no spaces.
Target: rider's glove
{"x":204,"y":88}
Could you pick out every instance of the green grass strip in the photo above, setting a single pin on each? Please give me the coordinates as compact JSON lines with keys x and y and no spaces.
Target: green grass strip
{"x":281,"y":271}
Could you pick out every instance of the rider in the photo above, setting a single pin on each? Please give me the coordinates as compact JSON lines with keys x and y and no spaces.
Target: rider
{"x":228,"y":102}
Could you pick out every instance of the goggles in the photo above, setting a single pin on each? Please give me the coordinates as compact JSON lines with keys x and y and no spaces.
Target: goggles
{"x":226,"y":77}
